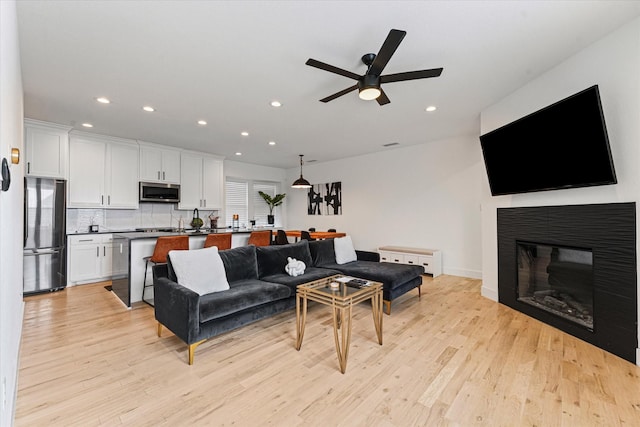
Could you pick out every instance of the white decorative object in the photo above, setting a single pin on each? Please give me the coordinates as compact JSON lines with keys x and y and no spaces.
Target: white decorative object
{"x":343,"y":247}
{"x":294,"y":267}
{"x":200,"y":270}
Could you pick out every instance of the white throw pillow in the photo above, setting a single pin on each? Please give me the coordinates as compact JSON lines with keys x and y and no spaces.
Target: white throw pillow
{"x":343,"y":247}
{"x":200,"y":270}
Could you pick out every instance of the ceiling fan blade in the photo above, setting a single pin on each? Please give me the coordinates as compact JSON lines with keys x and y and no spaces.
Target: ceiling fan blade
{"x":411,"y":75}
{"x":339,"y":94}
{"x":331,"y":69}
{"x":382,"y":99}
{"x":386,"y":51}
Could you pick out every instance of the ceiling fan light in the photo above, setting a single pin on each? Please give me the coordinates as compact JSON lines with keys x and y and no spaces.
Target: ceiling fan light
{"x":369,"y":87}
{"x":369,"y":93}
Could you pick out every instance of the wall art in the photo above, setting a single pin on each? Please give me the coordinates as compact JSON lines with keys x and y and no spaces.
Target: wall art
{"x":325,"y":199}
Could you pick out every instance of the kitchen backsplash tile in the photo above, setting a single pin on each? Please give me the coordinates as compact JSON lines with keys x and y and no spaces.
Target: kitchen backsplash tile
{"x":148,"y":215}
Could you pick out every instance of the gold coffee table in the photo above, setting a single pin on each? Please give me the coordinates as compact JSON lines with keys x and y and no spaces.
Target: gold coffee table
{"x":341,"y":299}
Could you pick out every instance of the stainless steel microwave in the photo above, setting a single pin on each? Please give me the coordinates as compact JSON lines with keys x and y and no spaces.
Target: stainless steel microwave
{"x":158,"y":192}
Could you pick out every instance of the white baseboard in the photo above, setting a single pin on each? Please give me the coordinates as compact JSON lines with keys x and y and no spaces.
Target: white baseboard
{"x":492,"y":294}
{"x":472,"y":274}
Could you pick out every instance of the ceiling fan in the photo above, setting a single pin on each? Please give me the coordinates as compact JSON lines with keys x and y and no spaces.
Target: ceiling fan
{"x":369,"y":84}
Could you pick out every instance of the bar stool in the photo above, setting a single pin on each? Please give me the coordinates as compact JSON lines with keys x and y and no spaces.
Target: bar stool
{"x":260,"y":238}
{"x":222,"y":241}
{"x":164,"y":244}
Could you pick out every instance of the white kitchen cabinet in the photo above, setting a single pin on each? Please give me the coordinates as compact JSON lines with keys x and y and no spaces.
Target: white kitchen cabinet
{"x":103,"y":172}
{"x":89,"y":258}
{"x":159,"y":163}
{"x":122,"y":176}
{"x":46,"y":149}
{"x":201,"y":181}
{"x":86,"y":173}
{"x":212,"y":183}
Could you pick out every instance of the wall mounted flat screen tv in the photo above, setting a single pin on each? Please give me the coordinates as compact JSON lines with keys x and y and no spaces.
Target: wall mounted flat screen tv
{"x":564,"y":145}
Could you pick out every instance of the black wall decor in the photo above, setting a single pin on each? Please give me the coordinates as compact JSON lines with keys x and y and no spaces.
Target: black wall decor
{"x":609,"y":230}
{"x":325,"y":199}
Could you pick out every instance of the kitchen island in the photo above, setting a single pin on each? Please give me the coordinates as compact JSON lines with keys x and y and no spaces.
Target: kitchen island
{"x":129,"y":250}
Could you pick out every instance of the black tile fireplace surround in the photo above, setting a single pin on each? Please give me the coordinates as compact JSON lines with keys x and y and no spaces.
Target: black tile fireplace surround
{"x":609,"y":230}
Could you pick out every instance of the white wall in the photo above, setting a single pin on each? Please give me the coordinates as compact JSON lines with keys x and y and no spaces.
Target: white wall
{"x":613,"y":63}
{"x":11,"y":304}
{"x":422,"y":196}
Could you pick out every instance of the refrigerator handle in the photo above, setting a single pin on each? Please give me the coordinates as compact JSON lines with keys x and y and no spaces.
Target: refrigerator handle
{"x":25,"y":231}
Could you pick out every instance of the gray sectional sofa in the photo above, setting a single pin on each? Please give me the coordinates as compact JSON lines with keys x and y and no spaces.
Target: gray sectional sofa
{"x":259,"y":287}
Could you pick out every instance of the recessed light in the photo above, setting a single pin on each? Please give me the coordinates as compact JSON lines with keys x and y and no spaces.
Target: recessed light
{"x":103,"y":100}
{"x":431,"y":108}
{"x":202,"y":122}
{"x":87,"y":125}
{"x":272,"y":143}
{"x":238,"y":154}
{"x":148,"y":109}
{"x":276,"y":104}
{"x":245,"y":133}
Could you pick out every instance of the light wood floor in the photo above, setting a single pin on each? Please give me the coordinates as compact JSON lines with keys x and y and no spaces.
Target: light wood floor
{"x":452,"y":358}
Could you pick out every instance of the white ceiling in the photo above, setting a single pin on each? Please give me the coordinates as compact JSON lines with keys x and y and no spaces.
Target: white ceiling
{"x":225,"y":61}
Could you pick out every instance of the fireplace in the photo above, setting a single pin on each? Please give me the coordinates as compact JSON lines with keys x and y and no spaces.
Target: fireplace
{"x":557,"y":279}
{"x":573,"y":267}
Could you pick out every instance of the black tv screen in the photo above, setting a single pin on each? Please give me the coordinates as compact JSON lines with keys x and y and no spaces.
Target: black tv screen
{"x":564,"y":145}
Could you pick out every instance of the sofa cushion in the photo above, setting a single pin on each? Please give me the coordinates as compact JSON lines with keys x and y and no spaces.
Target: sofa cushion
{"x":310,"y":274}
{"x":345,"y":252}
{"x":322,"y":252}
{"x":389,"y":274}
{"x":200,"y":270}
{"x":240,"y":263}
{"x":273,"y":259}
{"x":242,"y":295}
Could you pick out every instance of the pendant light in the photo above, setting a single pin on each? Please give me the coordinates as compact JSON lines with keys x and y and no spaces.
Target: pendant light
{"x":301,"y":182}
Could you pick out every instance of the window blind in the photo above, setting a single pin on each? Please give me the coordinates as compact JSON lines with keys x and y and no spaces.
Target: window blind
{"x":237,"y":193}
{"x":260,"y":207}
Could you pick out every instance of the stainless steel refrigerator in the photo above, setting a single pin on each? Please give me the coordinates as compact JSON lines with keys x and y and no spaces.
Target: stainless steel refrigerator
{"x":45,"y":263}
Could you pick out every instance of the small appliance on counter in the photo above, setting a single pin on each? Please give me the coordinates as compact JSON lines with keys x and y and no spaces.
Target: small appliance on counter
{"x":94,"y":228}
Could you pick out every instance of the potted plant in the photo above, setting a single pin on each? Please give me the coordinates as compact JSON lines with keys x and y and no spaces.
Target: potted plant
{"x":272,"y":202}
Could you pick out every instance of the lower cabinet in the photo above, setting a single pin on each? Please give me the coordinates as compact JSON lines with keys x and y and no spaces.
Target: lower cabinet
{"x":89,"y":258}
{"x":429,"y":259}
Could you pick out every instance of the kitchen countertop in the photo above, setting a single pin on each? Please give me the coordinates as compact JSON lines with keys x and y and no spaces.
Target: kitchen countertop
{"x":133,"y":234}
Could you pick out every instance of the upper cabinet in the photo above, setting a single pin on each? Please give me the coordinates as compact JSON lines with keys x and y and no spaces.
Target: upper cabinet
{"x":159,"y":163}
{"x":103,"y":172}
{"x":201,"y":181}
{"x":47,"y":149}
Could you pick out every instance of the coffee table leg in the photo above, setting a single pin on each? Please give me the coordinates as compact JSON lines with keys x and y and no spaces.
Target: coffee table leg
{"x":376,"y":309}
{"x":342,"y":316}
{"x":301,"y":319}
